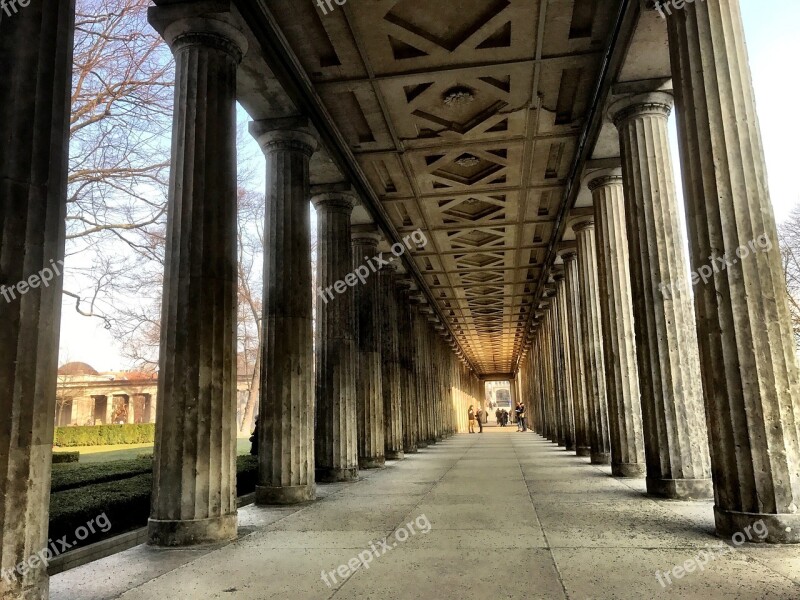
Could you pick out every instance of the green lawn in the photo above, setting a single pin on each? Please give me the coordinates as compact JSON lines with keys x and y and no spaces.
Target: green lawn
{"x":97,"y":454}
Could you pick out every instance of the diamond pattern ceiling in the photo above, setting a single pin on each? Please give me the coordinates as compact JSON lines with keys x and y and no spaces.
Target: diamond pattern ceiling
{"x":465,"y":117}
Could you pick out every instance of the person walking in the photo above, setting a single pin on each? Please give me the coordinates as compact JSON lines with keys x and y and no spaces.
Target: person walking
{"x":498,"y":416}
{"x":471,"y":417}
{"x":518,"y":415}
{"x":480,"y":420}
{"x":521,"y":417}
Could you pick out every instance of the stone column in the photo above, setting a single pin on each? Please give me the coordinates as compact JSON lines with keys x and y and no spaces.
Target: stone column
{"x":593,"y":359}
{"x":418,"y":334}
{"x":335,"y":432}
{"x":616,"y":309}
{"x":390,"y":364}
{"x":565,"y":361}
{"x":747,"y":352}
{"x":286,"y":398}
{"x":369,"y":387}
{"x":36,"y":45}
{"x":676,"y":444}
{"x":407,"y":367}
{"x":194,"y":468}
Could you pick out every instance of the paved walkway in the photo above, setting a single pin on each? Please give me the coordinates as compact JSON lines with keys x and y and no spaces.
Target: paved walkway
{"x":509,"y":516}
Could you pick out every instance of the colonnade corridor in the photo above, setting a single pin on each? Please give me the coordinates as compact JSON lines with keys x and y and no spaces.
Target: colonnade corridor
{"x":507,"y":515}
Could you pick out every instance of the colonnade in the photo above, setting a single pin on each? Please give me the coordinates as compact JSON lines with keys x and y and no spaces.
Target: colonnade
{"x":389,"y":378}
{"x":621,"y":365}
{"x":701,"y":396}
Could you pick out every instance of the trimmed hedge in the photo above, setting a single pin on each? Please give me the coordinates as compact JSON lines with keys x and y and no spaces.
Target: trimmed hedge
{"x":124,"y":500}
{"x":104,"y":435}
{"x":67,"y":477}
{"x":60,"y":458}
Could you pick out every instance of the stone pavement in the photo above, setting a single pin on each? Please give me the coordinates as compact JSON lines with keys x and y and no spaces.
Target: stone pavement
{"x":510,"y":516}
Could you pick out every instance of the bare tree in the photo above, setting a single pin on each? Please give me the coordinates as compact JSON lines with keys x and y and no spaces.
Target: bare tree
{"x":789,"y":241}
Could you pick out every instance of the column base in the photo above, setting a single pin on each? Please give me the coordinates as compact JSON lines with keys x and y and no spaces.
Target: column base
{"x":39,"y":590}
{"x":632,"y":470}
{"x":399,"y":455}
{"x":583,"y":451}
{"x":290,"y":494}
{"x":770,"y":528}
{"x":680,"y":489}
{"x":422,"y":445}
{"x":410,"y":450}
{"x":570,"y":448}
{"x":433,"y":441}
{"x":331,"y":475}
{"x":195,"y":532}
{"x":439,"y":439}
{"x":600,"y":458}
{"x":372,"y":463}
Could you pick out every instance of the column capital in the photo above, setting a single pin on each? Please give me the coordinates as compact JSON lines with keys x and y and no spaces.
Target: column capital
{"x":603,"y":177}
{"x":657,"y":104}
{"x":583,"y":225}
{"x":569,"y":256}
{"x":293,"y":133}
{"x":368,"y":234}
{"x":184,"y":25}
{"x":343,"y":201}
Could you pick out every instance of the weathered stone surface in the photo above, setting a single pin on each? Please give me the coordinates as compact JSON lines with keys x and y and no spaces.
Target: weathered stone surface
{"x":335,"y":431}
{"x":616,"y":309}
{"x":676,"y":445}
{"x":580,"y":406}
{"x":565,"y":360}
{"x":593,"y":360}
{"x":286,"y":402}
{"x":194,"y":471}
{"x":391,"y":383}
{"x":747,"y":353}
{"x":407,"y":367}
{"x":369,"y":387}
{"x":36,"y":46}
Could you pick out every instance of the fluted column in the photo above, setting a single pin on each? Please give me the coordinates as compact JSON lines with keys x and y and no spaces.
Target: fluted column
{"x":407,"y":367}
{"x":676,"y":444}
{"x":194,"y":472}
{"x":616,"y":310}
{"x":747,"y":352}
{"x":369,"y":382}
{"x":390,"y":364}
{"x":335,"y":432}
{"x":565,"y":361}
{"x":36,"y":46}
{"x":591,"y":327}
{"x":418,"y":334}
{"x":286,"y":398}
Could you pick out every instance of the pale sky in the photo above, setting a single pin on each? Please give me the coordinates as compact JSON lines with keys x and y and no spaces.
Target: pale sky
{"x":773,"y":45}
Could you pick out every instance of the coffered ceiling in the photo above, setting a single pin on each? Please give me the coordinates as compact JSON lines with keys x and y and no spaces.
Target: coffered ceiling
{"x":465,"y":116}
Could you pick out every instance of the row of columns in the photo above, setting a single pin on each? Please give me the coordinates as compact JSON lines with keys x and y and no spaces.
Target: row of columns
{"x":653,"y":377}
{"x":380,"y":391}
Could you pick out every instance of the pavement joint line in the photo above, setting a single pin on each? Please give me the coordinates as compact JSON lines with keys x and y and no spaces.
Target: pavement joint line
{"x":544,"y":534}
{"x":402,"y":522}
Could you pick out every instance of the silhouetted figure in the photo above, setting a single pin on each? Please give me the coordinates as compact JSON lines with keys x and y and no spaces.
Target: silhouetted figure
{"x":480,"y":420}
{"x":254,"y":438}
{"x":471,"y":417}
